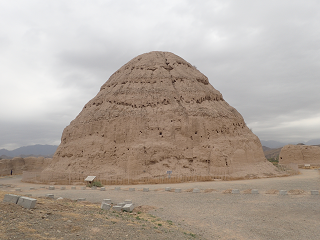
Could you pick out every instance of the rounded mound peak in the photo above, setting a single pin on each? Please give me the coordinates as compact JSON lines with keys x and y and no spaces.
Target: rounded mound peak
{"x":156,"y":65}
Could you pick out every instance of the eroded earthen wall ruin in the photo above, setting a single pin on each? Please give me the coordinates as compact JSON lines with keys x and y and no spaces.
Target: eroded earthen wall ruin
{"x":300,"y":154}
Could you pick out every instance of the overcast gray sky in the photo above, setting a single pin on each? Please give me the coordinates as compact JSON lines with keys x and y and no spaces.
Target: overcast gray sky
{"x":263,"y":56}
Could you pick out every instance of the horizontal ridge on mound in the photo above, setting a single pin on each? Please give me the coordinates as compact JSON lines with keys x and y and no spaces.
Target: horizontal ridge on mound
{"x":158,"y":113}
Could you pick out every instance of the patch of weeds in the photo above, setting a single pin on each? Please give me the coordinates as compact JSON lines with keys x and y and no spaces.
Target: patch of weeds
{"x":169,"y":222}
{"x":192,"y":235}
{"x":155,"y":227}
{"x":139,"y":212}
{"x":113,"y":222}
{"x":138,"y":218}
{"x":95,"y":184}
{"x":159,"y":224}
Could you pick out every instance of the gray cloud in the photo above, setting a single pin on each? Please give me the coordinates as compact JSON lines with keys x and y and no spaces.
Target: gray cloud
{"x":263,"y":56}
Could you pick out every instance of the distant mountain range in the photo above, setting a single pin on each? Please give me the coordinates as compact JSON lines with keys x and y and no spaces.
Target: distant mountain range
{"x":49,"y":150}
{"x":34,"y":150}
{"x":275,"y":144}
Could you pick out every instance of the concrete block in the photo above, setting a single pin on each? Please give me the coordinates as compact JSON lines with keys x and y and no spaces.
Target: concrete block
{"x":49,"y":195}
{"x":117,"y":208}
{"x":128,"y":201}
{"x":314,"y":192}
{"x":128,"y":207}
{"x":28,"y":195}
{"x":83,"y":188}
{"x":283,"y":192}
{"x":108,"y":201}
{"x":168,"y":189}
{"x":146,"y":189}
{"x":80,"y":199}
{"x":254,"y":191}
{"x":31,"y":188}
{"x":18,"y":189}
{"x":121,"y":204}
{"x":93,"y":188}
{"x":11,"y":198}
{"x":132,"y":189}
{"x":63,"y":188}
{"x":117,"y":188}
{"x":27,"y":202}
{"x":102,"y":189}
{"x":177,"y":190}
{"x":105,"y":206}
{"x":196,"y":190}
{"x":73,"y":188}
{"x":52,"y":188}
{"x":235,"y":191}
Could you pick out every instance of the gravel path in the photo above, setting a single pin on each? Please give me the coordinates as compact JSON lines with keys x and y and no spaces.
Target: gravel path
{"x":214,"y":213}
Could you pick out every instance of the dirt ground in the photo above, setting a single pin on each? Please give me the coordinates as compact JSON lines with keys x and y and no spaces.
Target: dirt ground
{"x":67,"y":219}
{"x":214,"y":213}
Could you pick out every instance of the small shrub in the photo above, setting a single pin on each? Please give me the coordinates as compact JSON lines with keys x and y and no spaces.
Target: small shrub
{"x":95,"y":184}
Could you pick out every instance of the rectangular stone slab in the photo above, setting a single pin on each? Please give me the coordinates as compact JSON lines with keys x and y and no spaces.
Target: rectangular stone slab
{"x":128,"y":207}
{"x":121,"y":204}
{"x":283,"y":192}
{"x":49,"y":195}
{"x":11,"y":198}
{"x":106,"y":201}
{"x":117,"y":208}
{"x":196,"y":190}
{"x":27,"y":202}
{"x":254,"y":191}
{"x":105,"y":206}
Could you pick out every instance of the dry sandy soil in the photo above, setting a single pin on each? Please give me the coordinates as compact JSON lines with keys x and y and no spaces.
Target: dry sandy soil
{"x":214,"y":213}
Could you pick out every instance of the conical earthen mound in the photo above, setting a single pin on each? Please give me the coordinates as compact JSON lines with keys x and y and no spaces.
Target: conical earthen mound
{"x":158,"y":113}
